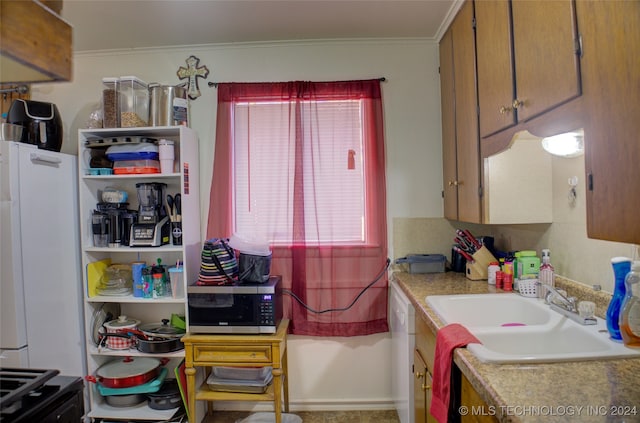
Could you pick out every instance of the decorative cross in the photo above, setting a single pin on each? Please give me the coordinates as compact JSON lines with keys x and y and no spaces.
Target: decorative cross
{"x":192,"y":72}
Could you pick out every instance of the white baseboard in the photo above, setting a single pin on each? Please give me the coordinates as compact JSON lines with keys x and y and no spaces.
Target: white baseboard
{"x":310,"y":405}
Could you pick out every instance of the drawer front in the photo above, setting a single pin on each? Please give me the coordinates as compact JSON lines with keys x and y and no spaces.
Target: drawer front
{"x":246,"y":354}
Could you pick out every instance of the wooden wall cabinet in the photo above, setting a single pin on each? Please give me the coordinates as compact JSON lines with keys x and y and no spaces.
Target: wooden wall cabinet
{"x":611,"y":84}
{"x":35,"y":42}
{"x":528,"y":60}
{"x":460,"y":143}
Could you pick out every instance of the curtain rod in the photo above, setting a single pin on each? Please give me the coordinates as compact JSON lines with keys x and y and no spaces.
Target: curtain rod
{"x":215,"y":84}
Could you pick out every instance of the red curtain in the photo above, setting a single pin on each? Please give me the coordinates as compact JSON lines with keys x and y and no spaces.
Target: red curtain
{"x":323,"y":275}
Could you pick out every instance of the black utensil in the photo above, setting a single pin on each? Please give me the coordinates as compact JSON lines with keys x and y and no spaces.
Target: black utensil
{"x":170,"y":205}
{"x":178,"y":205}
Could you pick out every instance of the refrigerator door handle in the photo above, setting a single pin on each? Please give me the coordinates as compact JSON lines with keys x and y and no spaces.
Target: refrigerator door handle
{"x":37,"y":157}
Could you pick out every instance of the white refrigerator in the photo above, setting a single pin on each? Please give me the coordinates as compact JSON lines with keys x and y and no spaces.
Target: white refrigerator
{"x":41,"y":316}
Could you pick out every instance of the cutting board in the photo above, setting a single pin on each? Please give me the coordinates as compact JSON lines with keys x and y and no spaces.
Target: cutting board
{"x":95,"y":273}
{"x":181,"y":377}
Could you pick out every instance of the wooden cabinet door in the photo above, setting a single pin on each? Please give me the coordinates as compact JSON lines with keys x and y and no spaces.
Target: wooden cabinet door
{"x":496,"y":89}
{"x":461,"y":149}
{"x":422,"y":382}
{"x":611,"y":41}
{"x":527,"y":60}
{"x":479,"y":411}
{"x":466,"y":107}
{"x":447,"y":94}
{"x":547,"y":64}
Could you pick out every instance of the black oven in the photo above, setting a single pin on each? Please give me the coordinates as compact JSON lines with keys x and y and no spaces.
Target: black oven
{"x":238,"y":308}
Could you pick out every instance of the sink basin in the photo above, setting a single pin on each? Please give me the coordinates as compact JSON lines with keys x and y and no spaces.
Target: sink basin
{"x":515,"y":329}
{"x":489,"y":310}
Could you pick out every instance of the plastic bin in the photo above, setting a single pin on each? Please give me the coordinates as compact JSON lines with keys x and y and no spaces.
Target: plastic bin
{"x":424,"y":263}
{"x":111,"y":103}
{"x":128,"y":167}
{"x":134,"y":102}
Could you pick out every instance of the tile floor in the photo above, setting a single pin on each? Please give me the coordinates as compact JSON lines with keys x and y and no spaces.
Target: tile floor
{"x":375,"y":416}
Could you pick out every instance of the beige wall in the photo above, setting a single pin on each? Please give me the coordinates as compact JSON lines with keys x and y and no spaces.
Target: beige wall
{"x":336,"y":373}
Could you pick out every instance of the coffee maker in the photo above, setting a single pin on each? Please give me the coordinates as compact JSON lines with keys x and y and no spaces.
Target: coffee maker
{"x":152,"y":228}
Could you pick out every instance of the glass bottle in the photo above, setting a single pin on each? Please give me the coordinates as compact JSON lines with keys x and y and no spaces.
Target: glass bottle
{"x":621,"y":266}
{"x":630,"y":314}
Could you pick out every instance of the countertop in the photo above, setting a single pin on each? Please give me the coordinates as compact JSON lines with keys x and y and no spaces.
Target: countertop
{"x":585,"y":391}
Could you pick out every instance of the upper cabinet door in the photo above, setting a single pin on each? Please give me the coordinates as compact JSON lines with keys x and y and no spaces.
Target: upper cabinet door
{"x":611,"y":66}
{"x":460,"y":143}
{"x":466,"y":109}
{"x":496,"y":89}
{"x":447,"y":93}
{"x":546,"y":51}
{"x":527,"y":60}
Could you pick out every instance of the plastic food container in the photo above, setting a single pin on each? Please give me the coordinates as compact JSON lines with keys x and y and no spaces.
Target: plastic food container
{"x":110,"y":103}
{"x":129,"y":167}
{"x":424,"y":263}
{"x":134,"y":102}
{"x":142,"y":151}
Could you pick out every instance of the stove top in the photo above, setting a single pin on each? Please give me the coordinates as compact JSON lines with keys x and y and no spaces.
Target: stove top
{"x":28,"y":395}
{"x":15,"y":383}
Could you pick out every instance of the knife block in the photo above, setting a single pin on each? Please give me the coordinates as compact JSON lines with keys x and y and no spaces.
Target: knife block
{"x":477,"y":270}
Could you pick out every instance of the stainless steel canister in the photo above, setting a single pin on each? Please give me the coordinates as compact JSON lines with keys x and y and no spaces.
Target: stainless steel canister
{"x":168,"y":105}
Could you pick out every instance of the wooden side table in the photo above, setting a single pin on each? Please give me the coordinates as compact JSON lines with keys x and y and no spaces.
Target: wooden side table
{"x":246,"y":350}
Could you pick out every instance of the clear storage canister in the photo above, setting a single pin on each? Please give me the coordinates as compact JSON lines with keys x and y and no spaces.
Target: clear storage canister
{"x":134,"y":102}
{"x":110,"y":103}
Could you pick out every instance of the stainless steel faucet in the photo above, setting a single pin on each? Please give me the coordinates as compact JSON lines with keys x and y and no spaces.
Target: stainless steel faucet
{"x":567,"y":306}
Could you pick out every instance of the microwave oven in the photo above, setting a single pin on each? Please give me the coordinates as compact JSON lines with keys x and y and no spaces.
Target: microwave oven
{"x":238,"y":308}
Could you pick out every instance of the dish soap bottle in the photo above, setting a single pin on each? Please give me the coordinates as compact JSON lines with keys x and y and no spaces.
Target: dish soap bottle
{"x":621,"y":266}
{"x":630,"y":315}
{"x":546,"y":274}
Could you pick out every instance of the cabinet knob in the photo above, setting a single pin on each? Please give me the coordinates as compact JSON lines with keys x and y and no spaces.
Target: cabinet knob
{"x":419,"y":375}
{"x":426,"y":387}
{"x":518,"y":103}
{"x":505,"y":109}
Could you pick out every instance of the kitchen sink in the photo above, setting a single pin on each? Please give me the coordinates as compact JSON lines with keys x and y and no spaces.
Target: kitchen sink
{"x":490,"y":310}
{"x":515,"y":329}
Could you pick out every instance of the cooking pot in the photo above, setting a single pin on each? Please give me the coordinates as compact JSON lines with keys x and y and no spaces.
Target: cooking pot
{"x":168,"y":105}
{"x":128,"y":400}
{"x":167,"y":397}
{"x":161,"y":330}
{"x":10,"y":132}
{"x":127,"y":372}
{"x":147,"y":344}
{"x":154,"y":338}
{"x":121,"y":325}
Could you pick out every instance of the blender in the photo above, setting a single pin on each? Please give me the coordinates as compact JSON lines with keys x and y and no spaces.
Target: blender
{"x":152,"y":228}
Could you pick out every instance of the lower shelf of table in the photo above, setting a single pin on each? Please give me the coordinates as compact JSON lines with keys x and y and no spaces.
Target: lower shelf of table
{"x":204,"y":393}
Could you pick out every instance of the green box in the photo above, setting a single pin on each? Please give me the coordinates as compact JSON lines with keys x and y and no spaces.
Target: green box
{"x":528,"y":265}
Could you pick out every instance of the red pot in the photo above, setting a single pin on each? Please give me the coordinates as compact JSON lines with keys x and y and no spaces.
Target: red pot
{"x":128,"y":371}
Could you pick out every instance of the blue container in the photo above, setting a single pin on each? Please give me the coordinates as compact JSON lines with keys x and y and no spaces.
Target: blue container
{"x":136,"y":270}
{"x":621,"y":266}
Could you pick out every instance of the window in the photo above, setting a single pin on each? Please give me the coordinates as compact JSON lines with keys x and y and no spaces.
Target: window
{"x":301,"y":164}
{"x":332,"y":171}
